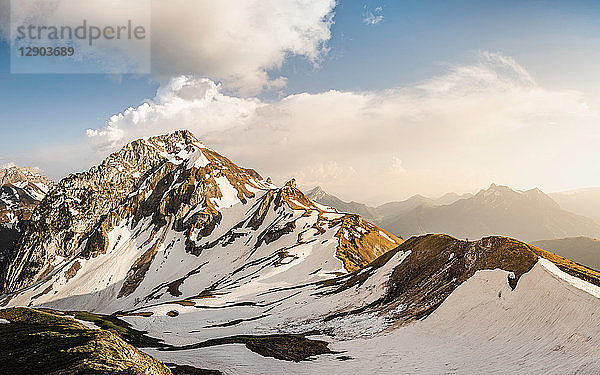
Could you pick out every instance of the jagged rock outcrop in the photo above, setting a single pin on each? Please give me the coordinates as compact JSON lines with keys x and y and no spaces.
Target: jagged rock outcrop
{"x":21,"y":189}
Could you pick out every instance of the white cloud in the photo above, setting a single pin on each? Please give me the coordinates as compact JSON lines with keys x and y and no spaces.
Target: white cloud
{"x":236,"y":42}
{"x":374,"y":17}
{"x":184,"y":102}
{"x":322,"y":173}
{"x":396,"y":168}
{"x":452,"y":132}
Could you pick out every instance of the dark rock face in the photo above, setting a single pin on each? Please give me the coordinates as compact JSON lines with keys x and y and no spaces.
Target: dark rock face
{"x":21,"y":190}
{"x":284,"y":347}
{"x":9,"y":235}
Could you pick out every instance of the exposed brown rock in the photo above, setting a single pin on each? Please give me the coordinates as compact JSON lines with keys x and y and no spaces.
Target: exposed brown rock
{"x":361,"y":242}
{"x":72,"y":271}
{"x":259,"y":215}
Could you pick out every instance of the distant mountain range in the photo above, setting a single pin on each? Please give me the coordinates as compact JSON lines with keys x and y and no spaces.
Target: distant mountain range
{"x":499,"y":210}
{"x":384,"y":213}
{"x":584,"y":202}
{"x":321,"y":196}
{"x":582,"y":250}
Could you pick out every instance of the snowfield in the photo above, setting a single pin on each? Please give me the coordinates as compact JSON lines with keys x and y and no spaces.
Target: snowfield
{"x":544,"y":326}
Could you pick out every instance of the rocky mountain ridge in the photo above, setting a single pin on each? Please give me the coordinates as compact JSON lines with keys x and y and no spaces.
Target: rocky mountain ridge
{"x":173,"y":185}
{"x":21,"y":189}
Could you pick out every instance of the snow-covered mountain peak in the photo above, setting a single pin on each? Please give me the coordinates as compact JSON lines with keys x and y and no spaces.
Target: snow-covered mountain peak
{"x":168,"y":194}
{"x":29,"y":178}
{"x":21,"y":189}
{"x":317,"y":192}
{"x":504,"y":196}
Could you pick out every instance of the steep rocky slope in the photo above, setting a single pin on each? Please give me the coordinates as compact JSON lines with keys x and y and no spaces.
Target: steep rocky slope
{"x":21,"y":189}
{"x":140,"y":226}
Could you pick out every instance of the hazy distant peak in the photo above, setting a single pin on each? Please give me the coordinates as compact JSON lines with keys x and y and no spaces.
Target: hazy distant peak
{"x":581,"y":201}
{"x":500,"y":195}
{"x":418,"y":197}
{"x":11,"y":174}
{"x":317,"y":190}
{"x":500,"y":188}
{"x":450,"y":198}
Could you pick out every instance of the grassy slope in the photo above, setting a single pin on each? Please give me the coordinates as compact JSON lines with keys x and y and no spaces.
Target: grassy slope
{"x":39,"y":342}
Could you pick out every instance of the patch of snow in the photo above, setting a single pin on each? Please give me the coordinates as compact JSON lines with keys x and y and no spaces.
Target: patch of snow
{"x":382,"y":233}
{"x":89,"y":325}
{"x":198,"y":160}
{"x":572,"y":280}
{"x":228,"y":192}
{"x":332,"y":216}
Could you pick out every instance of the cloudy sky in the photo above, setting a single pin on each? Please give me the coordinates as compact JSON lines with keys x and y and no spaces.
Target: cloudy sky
{"x":373,"y":100}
